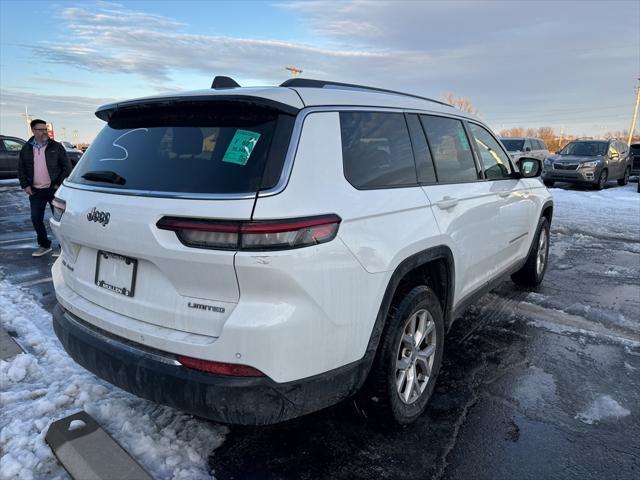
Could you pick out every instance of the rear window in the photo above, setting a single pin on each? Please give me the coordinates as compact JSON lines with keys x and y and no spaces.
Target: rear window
{"x":376,"y":150}
{"x":201,"y":149}
{"x":513,"y":145}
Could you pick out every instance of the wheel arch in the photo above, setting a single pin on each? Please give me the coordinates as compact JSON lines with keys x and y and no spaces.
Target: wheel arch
{"x":435,"y":259}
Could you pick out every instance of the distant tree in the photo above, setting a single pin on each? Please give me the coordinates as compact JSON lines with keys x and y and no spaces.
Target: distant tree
{"x":530,"y":132}
{"x":464,"y":104}
{"x":512,"y":132}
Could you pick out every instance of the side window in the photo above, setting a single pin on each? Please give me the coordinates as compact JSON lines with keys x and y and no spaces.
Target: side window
{"x":537,"y":145}
{"x":527,"y":144}
{"x":543,"y":145}
{"x":450,"y":149}
{"x":376,"y":150}
{"x":424,"y":163}
{"x":12,"y":145}
{"x":495,"y":160}
{"x":613,"y":151}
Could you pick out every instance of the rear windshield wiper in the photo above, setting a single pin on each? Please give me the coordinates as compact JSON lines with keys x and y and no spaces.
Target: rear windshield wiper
{"x":106,"y":176}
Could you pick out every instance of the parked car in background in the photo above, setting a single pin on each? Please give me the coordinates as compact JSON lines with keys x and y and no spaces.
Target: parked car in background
{"x":525,"y":146}
{"x":73,"y":153}
{"x":634,"y":153}
{"x":593,"y":162}
{"x":9,"y":150}
{"x":323,"y":243}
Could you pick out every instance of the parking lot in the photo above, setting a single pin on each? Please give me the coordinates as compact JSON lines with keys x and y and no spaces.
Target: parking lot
{"x":542,"y":384}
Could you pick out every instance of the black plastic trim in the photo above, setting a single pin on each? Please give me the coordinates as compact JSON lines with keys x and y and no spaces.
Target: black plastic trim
{"x":234,"y":400}
{"x":408,"y":264}
{"x":105,"y":112}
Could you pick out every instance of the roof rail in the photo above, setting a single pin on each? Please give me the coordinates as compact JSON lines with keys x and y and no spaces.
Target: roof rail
{"x":307,"y":82}
{"x":220,"y":82}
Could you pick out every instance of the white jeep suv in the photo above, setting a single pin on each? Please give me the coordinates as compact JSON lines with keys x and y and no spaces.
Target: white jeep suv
{"x":251,"y":255}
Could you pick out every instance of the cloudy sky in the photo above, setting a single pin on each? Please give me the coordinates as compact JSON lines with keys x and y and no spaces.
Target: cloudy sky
{"x":571,"y":65}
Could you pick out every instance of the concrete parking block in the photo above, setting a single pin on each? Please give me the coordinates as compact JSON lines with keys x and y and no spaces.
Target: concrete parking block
{"x":87,"y":452}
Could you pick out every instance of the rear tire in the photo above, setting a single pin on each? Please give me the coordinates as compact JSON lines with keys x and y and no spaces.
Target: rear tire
{"x":549,"y":183}
{"x":404,"y":372}
{"x":602,"y":180}
{"x":532,"y":273}
{"x":624,"y":180}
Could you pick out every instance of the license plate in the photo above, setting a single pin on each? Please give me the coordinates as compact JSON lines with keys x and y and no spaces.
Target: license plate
{"x":116,"y":273}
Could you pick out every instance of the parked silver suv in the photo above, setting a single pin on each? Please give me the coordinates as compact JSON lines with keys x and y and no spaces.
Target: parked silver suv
{"x":592,"y":162}
{"x":525,"y":146}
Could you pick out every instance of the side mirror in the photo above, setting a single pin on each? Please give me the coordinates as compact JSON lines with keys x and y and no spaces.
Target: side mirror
{"x":529,"y":167}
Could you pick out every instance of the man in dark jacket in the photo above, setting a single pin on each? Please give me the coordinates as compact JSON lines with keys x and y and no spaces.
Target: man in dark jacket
{"x":42,"y":166}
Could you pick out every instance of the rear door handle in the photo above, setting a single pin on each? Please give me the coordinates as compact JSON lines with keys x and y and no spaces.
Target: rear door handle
{"x":447,"y":203}
{"x":504,"y":194}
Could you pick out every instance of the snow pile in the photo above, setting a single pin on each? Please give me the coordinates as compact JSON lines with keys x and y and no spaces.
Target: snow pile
{"x":610,"y":213}
{"x":602,"y":408}
{"x":44,"y":384}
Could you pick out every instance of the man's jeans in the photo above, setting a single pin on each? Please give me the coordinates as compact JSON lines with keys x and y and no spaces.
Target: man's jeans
{"x":38,"y":200}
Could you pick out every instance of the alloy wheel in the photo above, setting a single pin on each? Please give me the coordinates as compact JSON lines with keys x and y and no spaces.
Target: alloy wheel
{"x":541,"y":258}
{"x":415,"y":357}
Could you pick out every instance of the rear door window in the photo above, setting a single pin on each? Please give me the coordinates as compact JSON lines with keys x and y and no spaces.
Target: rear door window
{"x":450,"y":149}
{"x":376,"y":150}
{"x":214,"y":149}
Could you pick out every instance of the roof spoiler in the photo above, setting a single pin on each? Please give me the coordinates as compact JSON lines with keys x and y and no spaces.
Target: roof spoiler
{"x":106,"y":112}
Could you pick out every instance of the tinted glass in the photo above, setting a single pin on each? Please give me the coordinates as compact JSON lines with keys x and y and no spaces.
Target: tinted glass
{"x":12,"y":145}
{"x":527,"y":144}
{"x":635,"y":149}
{"x":450,"y":149}
{"x":513,"y":145}
{"x":376,"y":150}
{"x":494,"y":159}
{"x":202,"y":149}
{"x":424,"y":163}
{"x":543,"y":145}
{"x":586,"y":149}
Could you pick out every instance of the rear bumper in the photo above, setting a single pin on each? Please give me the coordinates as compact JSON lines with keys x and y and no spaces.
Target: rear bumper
{"x":159,"y":377}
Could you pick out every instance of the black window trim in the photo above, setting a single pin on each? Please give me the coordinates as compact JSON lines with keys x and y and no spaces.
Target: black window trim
{"x":433,"y":164}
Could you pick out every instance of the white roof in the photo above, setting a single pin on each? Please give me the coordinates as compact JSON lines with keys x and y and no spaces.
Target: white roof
{"x":315,"y":97}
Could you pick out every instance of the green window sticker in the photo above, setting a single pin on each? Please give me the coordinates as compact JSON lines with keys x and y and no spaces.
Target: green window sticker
{"x":463,"y":138}
{"x":241,"y":146}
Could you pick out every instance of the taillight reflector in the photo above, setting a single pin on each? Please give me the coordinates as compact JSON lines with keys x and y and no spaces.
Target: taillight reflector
{"x":220,"y":368}
{"x":253,"y":235}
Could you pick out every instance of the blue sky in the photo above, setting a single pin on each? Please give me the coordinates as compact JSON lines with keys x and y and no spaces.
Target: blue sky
{"x":569,"y":65}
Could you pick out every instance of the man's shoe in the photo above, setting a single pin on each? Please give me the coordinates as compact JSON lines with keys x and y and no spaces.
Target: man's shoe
{"x":41,"y":251}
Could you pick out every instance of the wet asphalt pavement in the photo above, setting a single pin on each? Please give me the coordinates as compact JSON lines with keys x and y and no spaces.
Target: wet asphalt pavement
{"x":533,"y":385}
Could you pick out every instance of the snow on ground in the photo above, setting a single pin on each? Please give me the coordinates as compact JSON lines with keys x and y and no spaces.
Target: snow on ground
{"x":602,"y":408}
{"x":44,"y":384}
{"x":612,"y":213}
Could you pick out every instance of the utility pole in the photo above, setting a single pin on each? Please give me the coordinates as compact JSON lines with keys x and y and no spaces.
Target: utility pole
{"x":28,"y":119}
{"x":635,"y":113}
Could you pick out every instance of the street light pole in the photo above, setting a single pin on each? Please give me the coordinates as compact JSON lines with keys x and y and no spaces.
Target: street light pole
{"x":635,"y":113}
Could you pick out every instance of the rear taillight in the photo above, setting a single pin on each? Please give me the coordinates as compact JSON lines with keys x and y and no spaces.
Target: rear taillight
{"x":59,"y":206}
{"x":220,"y":368}
{"x":253,"y":235}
